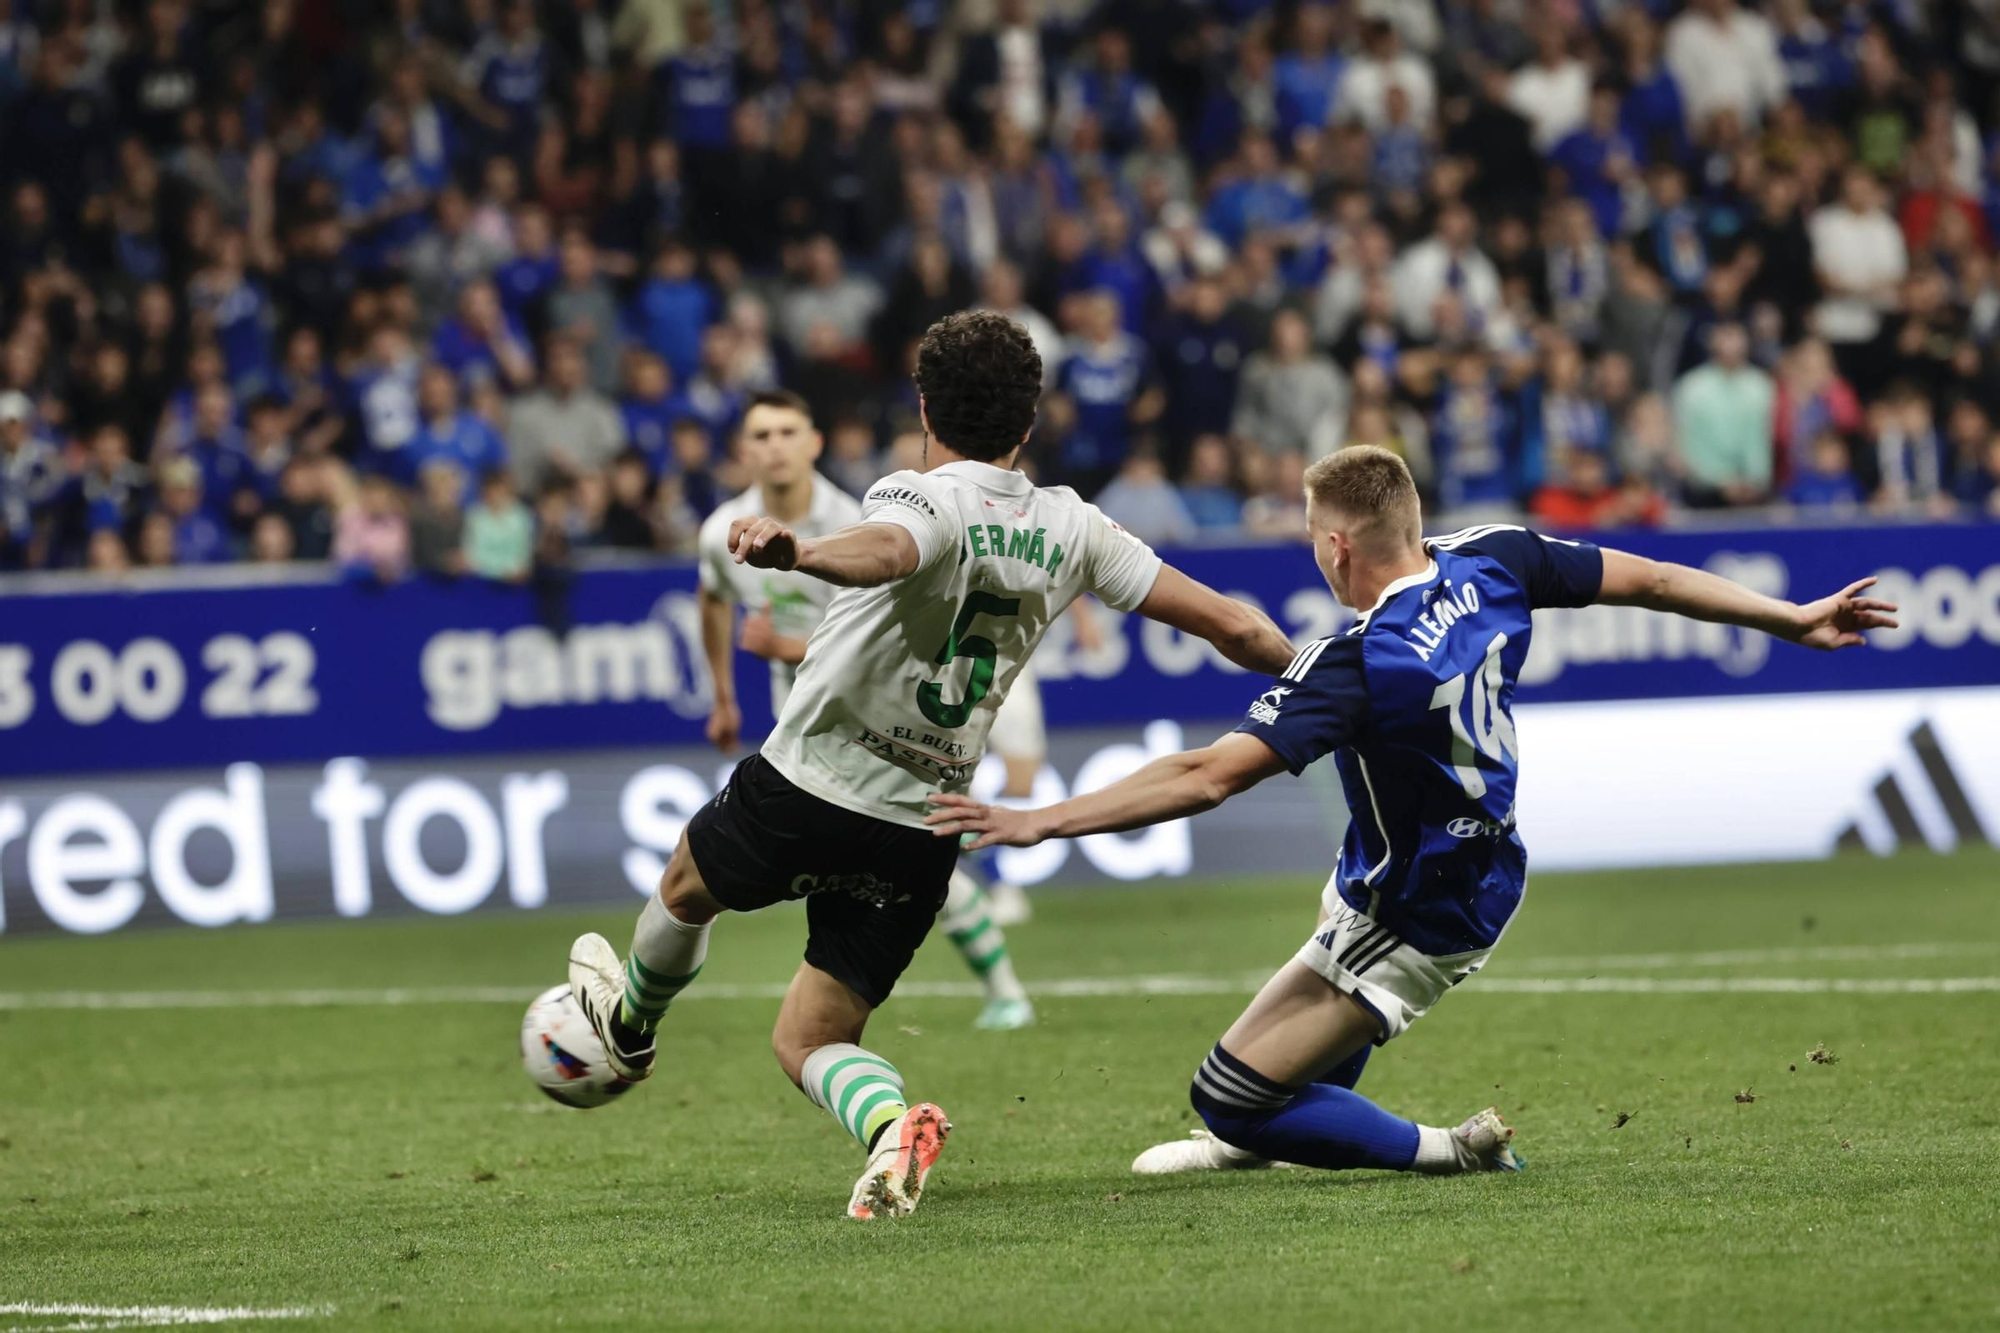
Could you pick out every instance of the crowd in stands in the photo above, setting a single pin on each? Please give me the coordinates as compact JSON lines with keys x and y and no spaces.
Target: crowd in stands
{"x":463,"y":286}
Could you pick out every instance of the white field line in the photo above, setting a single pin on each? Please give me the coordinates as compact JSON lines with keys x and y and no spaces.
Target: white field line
{"x":94,"y":1317}
{"x":1066,"y":987}
{"x":1832,"y":953}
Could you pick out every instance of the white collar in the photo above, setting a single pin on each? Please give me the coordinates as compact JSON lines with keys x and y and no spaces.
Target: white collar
{"x":1424,"y":575}
{"x":1010,"y":480}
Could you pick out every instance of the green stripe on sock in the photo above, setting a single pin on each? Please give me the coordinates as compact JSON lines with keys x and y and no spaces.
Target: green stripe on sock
{"x":646,"y":976}
{"x":859,"y":1125}
{"x":826,"y":1083}
{"x":964,"y":938}
{"x":986,"y":962}
{"x":856,"y":1091}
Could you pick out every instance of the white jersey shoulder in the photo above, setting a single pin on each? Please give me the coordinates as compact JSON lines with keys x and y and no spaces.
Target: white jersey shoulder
{"x":898,"y":690}
{"x":797,"y":602}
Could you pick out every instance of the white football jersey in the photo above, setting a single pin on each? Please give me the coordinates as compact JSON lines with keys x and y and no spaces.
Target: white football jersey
{"x":901,"y":681}
{"x":797,"y":602}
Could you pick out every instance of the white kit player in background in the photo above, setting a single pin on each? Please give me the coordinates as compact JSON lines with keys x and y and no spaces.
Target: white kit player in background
{"x":779,"y":445}
{"x":949,"y":582}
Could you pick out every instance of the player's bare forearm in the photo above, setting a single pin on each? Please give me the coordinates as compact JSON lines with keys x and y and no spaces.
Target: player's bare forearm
{"x":718,"y":626}
{"x":1171,"y":787}
{"x":1837,"y":621}
{"x":1239,"y":631}
{"x":863,"y":556}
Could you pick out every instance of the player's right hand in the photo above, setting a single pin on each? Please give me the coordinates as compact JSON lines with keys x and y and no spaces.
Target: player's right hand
{"x":764,"y":543}
{"x":953,"y":815}
{"x":725,"y":725}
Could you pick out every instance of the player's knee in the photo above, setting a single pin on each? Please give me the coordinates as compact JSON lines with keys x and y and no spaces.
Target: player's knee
{"x":791,"y":1055}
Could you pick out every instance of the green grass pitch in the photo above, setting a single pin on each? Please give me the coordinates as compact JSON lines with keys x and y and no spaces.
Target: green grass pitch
{"x":389,"y":1166}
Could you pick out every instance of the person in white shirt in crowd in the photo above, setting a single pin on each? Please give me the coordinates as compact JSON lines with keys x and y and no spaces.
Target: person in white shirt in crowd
{"x":1449,"y":262}
{"x":1364,"y":93}
{"x":1725,"y":58}
{"x":1003,"y":294}
{"x":1179,"y":247}
{"x":1859,"y":255}
{"x":1552,"y":91}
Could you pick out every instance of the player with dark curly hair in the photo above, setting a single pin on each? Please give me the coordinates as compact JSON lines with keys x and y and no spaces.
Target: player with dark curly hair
{"x":947,"y":584}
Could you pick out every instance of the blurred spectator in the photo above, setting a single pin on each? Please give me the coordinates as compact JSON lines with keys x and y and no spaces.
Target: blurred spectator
{"x":1910,"y":456}
{"x":1003,"y":294}
{"x":1292,"y":398}
{"x":1105,"y":389}
{"x":1552,"y":91}
{"x":371,"y":532}
{"x":1201,"y":353}
{"x":1211,"y":497}
{"x":825,"y":294}
{"x":198,"y":539}
{"x":107,"y":495}
{"x":1976,"y":459}
{"x":1580,"y":497}
{"x":1448,"y":263}
{"x":1277,"y":507}
{"x":499,"y":532}
{"x":271,"y":540}
{"x":1475,"y":442}
{"x":1384,"y":64}
{"x":1824,"y":478}
{"x":1859,"y":257}
{"x":1142,"y":501}
{"x":1813,"y":400}
{"x":851,"y":459}
{"x":630,"y":519}
{"x":437,"y":527}
{"x":568,"y":427}
{"x":1723,"y":412}
{"x":28,"y":481}
{"x":306,"y":505}
{"x":447,"y":434}
{"x":483,"y":341}
{"x":1725,"y":58}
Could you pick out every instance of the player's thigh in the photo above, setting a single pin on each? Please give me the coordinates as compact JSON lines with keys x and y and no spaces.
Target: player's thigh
{"x":819,"y":1010}
{"x":683,"y":890}
{"x":1299,"y":1027}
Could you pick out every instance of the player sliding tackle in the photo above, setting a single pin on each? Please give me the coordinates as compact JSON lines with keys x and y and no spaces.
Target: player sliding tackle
{"x":1413,"y":703}
{"x":947,"y":584}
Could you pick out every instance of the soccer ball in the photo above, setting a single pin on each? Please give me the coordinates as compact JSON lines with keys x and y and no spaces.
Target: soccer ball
{"x":563,"y":1055}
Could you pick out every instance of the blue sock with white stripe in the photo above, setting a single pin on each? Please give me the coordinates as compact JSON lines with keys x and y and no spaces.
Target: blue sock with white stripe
{"x":1322,"y":1124}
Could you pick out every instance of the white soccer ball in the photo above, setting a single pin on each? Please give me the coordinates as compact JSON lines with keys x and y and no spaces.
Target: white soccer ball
{"x":563,"y":1055}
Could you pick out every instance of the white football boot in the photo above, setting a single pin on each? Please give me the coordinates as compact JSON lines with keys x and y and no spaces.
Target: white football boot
{"x":597,"y":981}
{"x":903,"y":1156}
{"x":1485,"y":1143}
{"x":1005,"y":1014}
{"x":1199,"y":1151}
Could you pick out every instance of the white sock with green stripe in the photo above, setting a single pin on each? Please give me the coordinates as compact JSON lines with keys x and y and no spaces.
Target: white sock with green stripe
{"x":858,"y":1088}
{"x":978,"y":938}
{"x":666,"y":955}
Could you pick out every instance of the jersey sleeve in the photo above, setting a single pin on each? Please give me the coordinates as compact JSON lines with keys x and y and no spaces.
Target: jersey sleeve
{"x":903,"y":499}
{"x":1554,"y":572}
{"x":1121,"y":568}
{"x":1319,"y":704}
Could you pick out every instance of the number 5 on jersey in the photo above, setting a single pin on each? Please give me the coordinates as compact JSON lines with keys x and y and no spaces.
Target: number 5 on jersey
{"x":930,"y":697}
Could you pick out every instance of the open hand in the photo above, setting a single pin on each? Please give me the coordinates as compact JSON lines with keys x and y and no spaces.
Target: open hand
{"x":995,"y":825}
{"x":1841,"y":621}
{"x":764,"y":543}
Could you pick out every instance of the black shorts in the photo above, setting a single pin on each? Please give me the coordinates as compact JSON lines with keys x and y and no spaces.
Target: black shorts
{"x":872,"y":888}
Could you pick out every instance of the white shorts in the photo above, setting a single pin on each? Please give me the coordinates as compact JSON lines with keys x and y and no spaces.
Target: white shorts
{"x":1017,"y":731}
{"x":1397,"y":983}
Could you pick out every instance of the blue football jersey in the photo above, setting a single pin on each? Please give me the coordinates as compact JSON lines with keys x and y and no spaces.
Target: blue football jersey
{"x":1414,"y":701}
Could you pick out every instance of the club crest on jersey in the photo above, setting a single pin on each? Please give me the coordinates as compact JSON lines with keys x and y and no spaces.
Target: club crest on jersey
{"x":1265,"y":710}
{"x":1449,"y":606}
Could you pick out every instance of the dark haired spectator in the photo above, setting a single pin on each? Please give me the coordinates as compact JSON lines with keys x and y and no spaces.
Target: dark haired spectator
{"x":1580,"y":496}
{"x":567,"y":427}
{"x":630,"y":516}
{"x":1292,"y":399}
{"x":437,"y":524}
{"x":1105,"y":388}
{"x":1144,"y":502}
{"x":1723,"y":411}
{"x":581,"y":309}
{"x":1208,"y":489}
{"x":499,"y":532}
{"x":1824,"y":478}
{"x":28,"y":481}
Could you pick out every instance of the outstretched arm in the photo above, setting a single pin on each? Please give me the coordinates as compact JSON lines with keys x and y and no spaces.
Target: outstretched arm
{"x":1168,"y":788}
{"x":865,"y":555}
{"x":1239,"y":631}
{"x":1838,"y":621}
{"x":718,"y":618}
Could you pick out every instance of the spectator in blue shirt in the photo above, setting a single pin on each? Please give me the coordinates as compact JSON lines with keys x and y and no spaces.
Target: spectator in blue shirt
{"x":446,"y":433}
{"x":1652,"y":114}
{"x":1108,"y":89}
{"x":1600,"y":160}
{"x":1674,"y":240}
{"x":1473,"y":442}
{"x":1260,"y":198}
{"x":1212,"y":500}
{"x":524,"y":281}
{"x":216,"y":447}
{"x":386,"y":194}
{"x":672,"y":309}
{"x":1816,"y":69}
{"x":1827,"y":480}
{"x":484,"y":342}
{"x":510,"y":70}
{"x":1200,"y":352}
{"x":1116,"y":264}
{"x":1308,"y":75}
{"x":384,"y":391}
{"x":650,"y":409}
{"x":28,"y":480}
{"x":1106,"y":388}
{"x":230,"y":306}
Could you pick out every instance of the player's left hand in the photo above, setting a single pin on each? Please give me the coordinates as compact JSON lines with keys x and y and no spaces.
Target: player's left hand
{"x":755,"y":635}
{"x":996,"y":826}
{"x":1841,"y":621}
{"x":764,"y":543}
